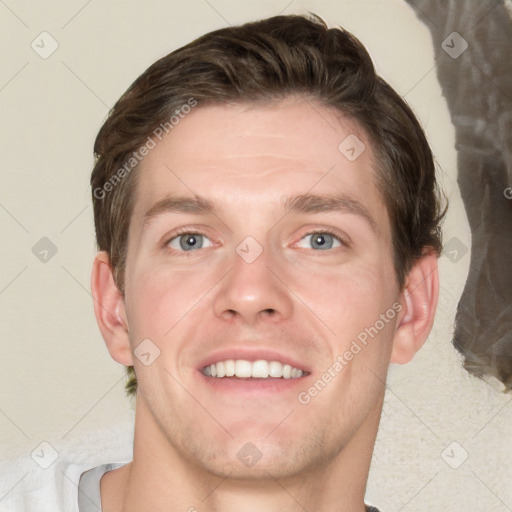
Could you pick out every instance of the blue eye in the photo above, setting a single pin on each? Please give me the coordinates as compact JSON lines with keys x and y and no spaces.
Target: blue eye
{"x":189,"y":242}
{"x":322,"y":241}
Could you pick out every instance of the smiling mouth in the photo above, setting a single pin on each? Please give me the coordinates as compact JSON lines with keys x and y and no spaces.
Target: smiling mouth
{"x":260,"y":369}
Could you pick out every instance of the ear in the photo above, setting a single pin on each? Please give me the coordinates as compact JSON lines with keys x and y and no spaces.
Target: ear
{"x":419,"y":300}
{"x":109,"y":308}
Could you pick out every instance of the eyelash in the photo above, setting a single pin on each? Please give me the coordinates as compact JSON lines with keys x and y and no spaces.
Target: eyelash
{"x":327,"y":231}
{"x":188,"y":231}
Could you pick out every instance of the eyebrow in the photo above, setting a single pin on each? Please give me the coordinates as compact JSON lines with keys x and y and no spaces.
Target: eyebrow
{"x":304,"y":203}
{"x":174,"y":204}
{"x":341,"y":203}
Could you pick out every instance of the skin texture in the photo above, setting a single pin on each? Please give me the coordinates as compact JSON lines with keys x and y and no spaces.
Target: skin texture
{"x":296,"y":299}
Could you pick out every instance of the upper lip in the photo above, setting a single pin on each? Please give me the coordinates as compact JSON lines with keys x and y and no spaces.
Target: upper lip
{"x":252,"y":355}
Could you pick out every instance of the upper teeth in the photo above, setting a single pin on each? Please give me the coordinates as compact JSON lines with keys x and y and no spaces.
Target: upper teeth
{"x":260,"y":369}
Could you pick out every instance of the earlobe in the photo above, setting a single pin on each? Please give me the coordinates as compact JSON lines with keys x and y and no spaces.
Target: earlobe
{"x":109,"y":308}
{"x":419,"y":299}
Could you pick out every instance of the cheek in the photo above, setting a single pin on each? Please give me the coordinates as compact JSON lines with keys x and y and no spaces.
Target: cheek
{"x":350,"y":303}
{"x":357,"y":306}
{"x":351,"y":295}
{"x":159,"y":298}
{"x":161,"y":307}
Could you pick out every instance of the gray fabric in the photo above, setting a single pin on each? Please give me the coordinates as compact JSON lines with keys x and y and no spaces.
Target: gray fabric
{"x":89,"y":498}
{"x":477,"y":84}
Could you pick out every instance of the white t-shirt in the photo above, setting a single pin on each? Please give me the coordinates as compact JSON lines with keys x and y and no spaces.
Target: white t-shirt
{"x":62,"y":487}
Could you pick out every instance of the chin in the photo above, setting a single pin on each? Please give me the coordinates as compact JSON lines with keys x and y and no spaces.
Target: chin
{"x":247,"y":457}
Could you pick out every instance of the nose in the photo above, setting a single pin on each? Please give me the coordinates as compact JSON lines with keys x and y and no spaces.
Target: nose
{"x":253,"y":292}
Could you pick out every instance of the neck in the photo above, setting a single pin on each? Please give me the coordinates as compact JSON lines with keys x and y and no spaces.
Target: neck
{"x":163,"y":478}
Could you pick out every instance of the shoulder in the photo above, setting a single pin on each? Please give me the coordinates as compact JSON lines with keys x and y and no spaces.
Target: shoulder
{"x":28,"y":484}
{"x":47,"y":477}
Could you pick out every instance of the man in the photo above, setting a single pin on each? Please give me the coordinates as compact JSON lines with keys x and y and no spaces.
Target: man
{"x":268,"y":222}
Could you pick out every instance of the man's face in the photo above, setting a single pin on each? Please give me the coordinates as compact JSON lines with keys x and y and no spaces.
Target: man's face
{"x":259,"y":279}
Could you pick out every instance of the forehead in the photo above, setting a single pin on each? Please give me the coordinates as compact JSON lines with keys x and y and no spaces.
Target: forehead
{"x":297,"y":130}
{"x":253,"y":155}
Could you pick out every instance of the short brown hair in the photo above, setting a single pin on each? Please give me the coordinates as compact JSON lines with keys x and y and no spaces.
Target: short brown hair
{"x":261,"y":62}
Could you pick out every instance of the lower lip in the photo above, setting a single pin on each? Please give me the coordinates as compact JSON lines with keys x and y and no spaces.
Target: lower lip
{"x":237,"y":385}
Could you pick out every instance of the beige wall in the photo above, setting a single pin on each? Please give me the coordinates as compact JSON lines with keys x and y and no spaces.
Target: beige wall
{"x":58,"y":383}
